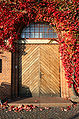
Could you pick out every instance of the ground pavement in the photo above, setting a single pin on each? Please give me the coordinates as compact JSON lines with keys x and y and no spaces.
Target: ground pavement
{"x":38,"y":112}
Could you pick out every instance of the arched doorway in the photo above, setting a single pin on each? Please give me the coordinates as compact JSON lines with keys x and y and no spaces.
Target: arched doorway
{"x":38,"y":61}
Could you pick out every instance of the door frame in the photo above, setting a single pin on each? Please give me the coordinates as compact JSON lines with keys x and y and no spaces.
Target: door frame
{"x":15,"y":64}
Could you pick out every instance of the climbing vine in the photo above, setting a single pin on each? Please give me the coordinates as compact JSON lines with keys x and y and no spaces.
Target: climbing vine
{"x":60,"y":14}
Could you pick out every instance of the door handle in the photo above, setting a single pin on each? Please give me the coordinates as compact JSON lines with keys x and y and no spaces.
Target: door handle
{"x":41,"y":74}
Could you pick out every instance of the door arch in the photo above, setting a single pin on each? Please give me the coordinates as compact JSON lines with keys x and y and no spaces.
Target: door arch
{"x":40,"y":62}
{"x":37,"y":64}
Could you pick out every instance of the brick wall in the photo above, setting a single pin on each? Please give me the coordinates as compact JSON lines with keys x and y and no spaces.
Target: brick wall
{"x":65,"y":91}
{"x":5,"y":75}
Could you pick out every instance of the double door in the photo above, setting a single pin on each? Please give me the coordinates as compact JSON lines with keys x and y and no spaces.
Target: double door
{"x":40,"y":69}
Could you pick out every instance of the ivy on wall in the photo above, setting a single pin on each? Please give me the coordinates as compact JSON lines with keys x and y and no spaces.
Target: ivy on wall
{"x":60,"y":14}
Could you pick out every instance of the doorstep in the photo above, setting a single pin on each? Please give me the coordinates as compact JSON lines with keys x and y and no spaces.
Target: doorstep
{"x":41,"y":101}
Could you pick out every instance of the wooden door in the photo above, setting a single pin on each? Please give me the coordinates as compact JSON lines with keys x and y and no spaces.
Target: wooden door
{"x":40,"y":69}
{"x":30,"y":69}
{"x":49,"y":70}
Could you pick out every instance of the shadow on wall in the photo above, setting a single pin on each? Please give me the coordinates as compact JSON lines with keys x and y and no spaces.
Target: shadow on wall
{"x":18,"y":89}
{"x":5,"y":91}
{"x":25,"y":92}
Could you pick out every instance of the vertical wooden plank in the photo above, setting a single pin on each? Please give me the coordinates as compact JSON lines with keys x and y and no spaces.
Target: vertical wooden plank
{"x":13,"y":75}
{"x":14,"y":82}
{"x":16,"y":71}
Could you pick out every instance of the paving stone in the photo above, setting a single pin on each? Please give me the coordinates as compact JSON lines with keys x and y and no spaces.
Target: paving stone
{"x":52,"y":113}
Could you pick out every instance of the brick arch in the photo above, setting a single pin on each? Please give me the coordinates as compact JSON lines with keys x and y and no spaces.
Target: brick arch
{"x":65,"y":92}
